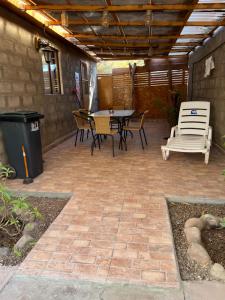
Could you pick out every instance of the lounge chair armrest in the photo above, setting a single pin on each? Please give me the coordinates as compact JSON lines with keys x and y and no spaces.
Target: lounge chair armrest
{"x":173,"y":131}
{"x":210,"y":133}
{"x":209,"y":138}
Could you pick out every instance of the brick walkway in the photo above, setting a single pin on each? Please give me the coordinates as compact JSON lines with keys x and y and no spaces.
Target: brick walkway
{"x":116,"y":227}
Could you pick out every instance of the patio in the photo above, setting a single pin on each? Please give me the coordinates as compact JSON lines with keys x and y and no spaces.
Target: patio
{"x":113,"y":239}
{"x":115,"y":228}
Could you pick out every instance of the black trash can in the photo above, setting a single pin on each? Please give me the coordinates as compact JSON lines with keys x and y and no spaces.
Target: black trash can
{"x":21,"y":129}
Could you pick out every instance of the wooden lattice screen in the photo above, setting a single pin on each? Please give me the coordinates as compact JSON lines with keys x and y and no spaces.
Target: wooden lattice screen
{"x":122,"y":88}
{"x":148,"y":90}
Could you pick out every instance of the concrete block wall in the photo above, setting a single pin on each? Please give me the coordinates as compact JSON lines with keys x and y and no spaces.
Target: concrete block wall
{"x":21,"y":77}
{"x":211,"y":88}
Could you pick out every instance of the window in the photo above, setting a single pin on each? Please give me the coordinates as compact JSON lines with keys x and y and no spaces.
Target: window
{"x":50,"y":66}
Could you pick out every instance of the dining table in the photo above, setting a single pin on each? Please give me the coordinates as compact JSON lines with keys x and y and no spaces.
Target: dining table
{"x":121,"y":116}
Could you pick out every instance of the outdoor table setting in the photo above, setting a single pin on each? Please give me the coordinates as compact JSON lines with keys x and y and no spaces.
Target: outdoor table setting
{"x":120,"y":116}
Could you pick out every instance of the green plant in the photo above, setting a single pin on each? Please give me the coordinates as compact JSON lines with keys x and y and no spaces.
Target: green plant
{"x":17,"y":252}
{"x":222,"y":223}
{"x":170,"y":110}
{"x":12,"y":210}
{"x":6,"y":171}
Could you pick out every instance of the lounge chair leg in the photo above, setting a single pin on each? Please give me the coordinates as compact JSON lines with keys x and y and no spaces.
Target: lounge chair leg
{"x":167,"y":154}
{"x":163,"y":154}
{"x":144,"y":136}
{"x":207,"y":158}
{"x":141,"y":139}
{"x":75,"y":144}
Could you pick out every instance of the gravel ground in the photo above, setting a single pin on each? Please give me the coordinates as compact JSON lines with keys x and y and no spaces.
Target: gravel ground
{"x":213,"y":240}
{"x":49,"y":208}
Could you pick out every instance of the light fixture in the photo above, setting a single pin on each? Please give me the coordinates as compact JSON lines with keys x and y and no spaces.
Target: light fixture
{"x":105,"y":19}
{"x":64,"y":19}
{"x":148,"y":18}
{"x":40,"y":43}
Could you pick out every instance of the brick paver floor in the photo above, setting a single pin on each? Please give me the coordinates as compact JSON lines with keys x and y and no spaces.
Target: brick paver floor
{"x":116,"y":226}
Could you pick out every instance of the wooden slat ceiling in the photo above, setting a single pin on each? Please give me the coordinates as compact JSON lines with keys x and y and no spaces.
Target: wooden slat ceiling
{"x":127,"y":35}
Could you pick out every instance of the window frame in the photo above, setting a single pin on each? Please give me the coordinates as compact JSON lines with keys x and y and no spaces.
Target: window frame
{"x":55,"y":59}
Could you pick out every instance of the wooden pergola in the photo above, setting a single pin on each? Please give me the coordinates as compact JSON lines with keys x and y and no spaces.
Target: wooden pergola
{"x":111,"y":29}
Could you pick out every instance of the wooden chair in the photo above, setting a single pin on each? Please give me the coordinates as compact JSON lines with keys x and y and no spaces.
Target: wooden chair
{"x":103,"y":127}
{"x":137,"y":127}
{"x":193,"y":133}
{"x":84,"y":124}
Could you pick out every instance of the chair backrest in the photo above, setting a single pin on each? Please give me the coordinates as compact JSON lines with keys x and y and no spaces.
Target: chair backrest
{"x":80,"y":120}
{"x":143,"y":115}
{"x":194,"y":118}
{"x":102,"y":124}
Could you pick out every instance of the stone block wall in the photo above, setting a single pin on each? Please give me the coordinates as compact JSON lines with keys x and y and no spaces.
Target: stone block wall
{"x":211,"y":88}
{"x":21,"y":77}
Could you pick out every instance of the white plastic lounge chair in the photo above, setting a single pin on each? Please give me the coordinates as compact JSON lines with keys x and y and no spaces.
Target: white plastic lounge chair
{"x":193,"y":133}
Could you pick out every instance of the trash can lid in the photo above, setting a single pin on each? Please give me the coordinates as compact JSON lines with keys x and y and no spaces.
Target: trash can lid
{"x":20,"y":116}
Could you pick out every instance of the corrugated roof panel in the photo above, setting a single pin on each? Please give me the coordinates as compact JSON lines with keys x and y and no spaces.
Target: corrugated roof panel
{"x":198,"y":15}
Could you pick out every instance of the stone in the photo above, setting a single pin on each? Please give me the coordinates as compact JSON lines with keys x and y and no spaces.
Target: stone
{"x":198,"y":253}
{"x":194,"y":222}
{"x":193,"y":235}
{"x":24,"y":241}
{"x":217,"y":272}
{"x":30,"y":228}
{"x":4,"y":251}
{"x":25,"y":215}
{"x":210,"y":221}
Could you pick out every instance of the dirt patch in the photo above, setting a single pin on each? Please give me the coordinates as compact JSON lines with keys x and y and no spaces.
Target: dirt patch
{"x":49,"y":208}
{"x":213,"y":239}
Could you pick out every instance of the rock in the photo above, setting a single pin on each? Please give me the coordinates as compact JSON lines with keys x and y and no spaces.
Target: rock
{"x":198,"y":253}
{"x":193,"y":235}
{"x":217,"y":271}
{"x":30,"y":228}
{"x":4,"y":251}
{"x":23,"y":241}
{"x":25,"y":215}
{"x":210,"y":221}
{"x":194,"y":222}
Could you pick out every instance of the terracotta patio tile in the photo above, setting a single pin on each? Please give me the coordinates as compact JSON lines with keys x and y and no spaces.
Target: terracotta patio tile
{"x":153,"y":276}
{"x":121,"y":262}
{"x":61,"y":256}
{"x":117,"y":210}
{"x":87,"y":259}
{"x":123,"y":253}
{"x":39,"y":255}
{"x":124,"y":273}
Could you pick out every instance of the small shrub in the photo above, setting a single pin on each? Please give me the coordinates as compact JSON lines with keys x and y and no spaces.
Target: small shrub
{"x":12,"y":211}
{"x":7,"y":171}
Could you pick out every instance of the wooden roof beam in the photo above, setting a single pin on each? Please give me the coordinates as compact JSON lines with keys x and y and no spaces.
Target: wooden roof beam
{"x":142,"y":23}
{"x":139,"y":37}
{"x":137,"y":45}
{"x":98,"y":51}
{"x":143,"y":57}
{"x":117,"y":8}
